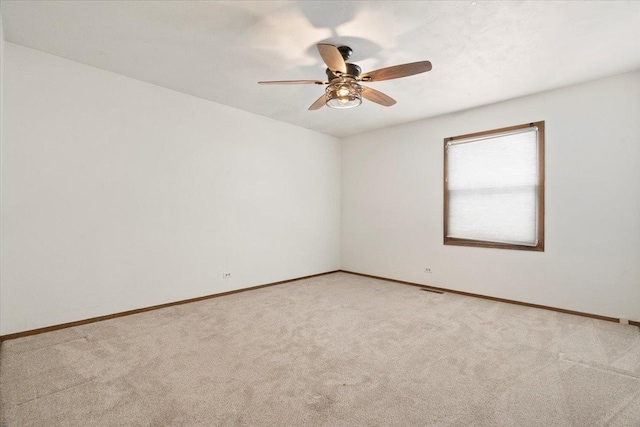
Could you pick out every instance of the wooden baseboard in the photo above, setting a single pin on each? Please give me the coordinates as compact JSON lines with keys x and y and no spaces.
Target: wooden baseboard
{"x":469,"y":294}
{"x":186,"y":301}
{"x":142,"y":310}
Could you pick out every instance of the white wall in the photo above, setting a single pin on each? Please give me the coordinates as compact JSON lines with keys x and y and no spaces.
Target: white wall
{"x":118,"y":194}
{"x":1,"y":132}
{"x":392,"y":202}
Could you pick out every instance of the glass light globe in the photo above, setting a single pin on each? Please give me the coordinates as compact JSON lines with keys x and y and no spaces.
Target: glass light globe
{"x":344,"y":94}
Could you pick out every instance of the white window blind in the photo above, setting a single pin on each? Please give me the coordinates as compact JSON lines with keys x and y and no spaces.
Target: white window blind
{"x":493,"y":188}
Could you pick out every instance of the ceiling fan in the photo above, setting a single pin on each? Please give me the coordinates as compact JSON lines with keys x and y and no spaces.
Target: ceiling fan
{"x":344,"y":88}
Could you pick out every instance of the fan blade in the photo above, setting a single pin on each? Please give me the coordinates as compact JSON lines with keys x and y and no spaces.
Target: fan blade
{"x":293,"y":82}
{"x":332,"y":57}
{"x":377,"y":96}
{"x":396,"y":71}
{"x":320,"y":102}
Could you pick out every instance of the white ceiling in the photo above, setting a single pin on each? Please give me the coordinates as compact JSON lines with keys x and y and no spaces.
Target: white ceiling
{"x":482,"y":52}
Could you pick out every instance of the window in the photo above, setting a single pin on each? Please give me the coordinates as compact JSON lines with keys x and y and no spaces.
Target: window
{"x":494,"y":188}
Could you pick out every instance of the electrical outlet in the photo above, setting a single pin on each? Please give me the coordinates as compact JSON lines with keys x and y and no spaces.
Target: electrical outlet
{"x":226,"y":275}
{"x":624,"y":321}
{"x":427,"y":270}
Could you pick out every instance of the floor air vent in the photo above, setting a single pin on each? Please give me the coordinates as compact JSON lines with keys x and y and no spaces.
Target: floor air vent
{"x":431,"y":290}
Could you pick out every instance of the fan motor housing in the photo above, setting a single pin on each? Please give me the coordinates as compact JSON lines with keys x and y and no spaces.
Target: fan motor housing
{"x":352,"y":71}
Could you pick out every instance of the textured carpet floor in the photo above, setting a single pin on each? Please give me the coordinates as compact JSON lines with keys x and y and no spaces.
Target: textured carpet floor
{"x":336,"y":350}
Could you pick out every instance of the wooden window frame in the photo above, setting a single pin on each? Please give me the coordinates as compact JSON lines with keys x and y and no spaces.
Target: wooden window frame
{"x":484,"y":244}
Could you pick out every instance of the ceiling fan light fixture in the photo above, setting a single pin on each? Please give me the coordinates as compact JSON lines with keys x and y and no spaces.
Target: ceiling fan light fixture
{"x":343,"y":94}
{"x":344,"y":90}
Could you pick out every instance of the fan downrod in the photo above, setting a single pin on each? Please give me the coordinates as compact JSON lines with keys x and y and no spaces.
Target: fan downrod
{"x":345,"y":51}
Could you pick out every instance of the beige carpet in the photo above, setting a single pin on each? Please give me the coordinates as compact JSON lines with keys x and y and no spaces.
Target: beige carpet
{"x":336,"y":350}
